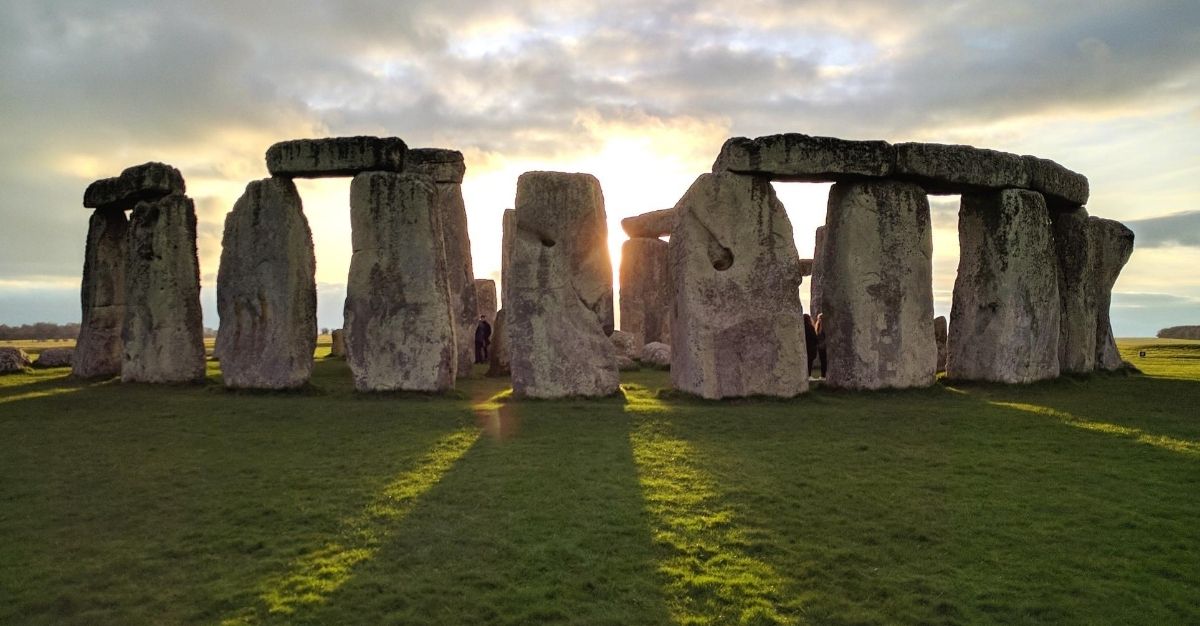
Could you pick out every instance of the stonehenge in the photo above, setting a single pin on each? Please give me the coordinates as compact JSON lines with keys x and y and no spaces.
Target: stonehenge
{"x":718,"y":303}
{"x":13,"y":360}
{"x":558,"y":295}
{"x":267,"y":290}
{"x":55,"y":357}
{"x":337,"y":344}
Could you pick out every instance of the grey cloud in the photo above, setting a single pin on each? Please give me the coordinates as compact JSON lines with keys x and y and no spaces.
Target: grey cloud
{"x":1176,"y":229}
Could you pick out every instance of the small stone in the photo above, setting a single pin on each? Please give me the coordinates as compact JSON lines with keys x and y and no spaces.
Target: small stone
{"x":266,"y":290}
{"x":13,"y":360}
{"x":1113,"y":245}
{"x":99,"y":348}
{"x":625,"y":344}
{"x":1004,"y":322}
{"x":653,"y":224}
{"x":645,"y":290}
{"x":335,"y":156}
{"x":148,"y":181}
{"x":626,"y":364}
{"x":55,"y":357}
{"x":956,"y":169}
{"x":794,"y":157}
{"x":656,"y":354}
{"x":443,"y":166}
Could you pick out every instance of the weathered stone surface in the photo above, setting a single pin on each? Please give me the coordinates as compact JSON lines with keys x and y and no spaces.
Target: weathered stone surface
{"x":654,"y":224}
{"x":460,"y":272}
{"x":1112,"y":246}
{"x":939,"y":337}
{"x":1076,"y":291}
{"x":878,"y":313}
{"x":806,"y":267}
{"x":99,"y":349}
{"x":736,"y":320}
{"x":266,"y":290}
{"x":498,"y":357}
{"x":626,"y":344}
{"x":55,"y":357}
{"x":954,"y":169}
{"x":626,"y":364}
{"x":817,"y":282}
{"x":656,"y":354}
{"x":645,"y":290}
{"x":13,"y":360}
{"x":148,"y":181}
{"x":1059,"y":184}
{"x":1004,"y":322}
{"x":802,"y":158}
{"x":558,"y":290}
{"x":398,"y":321}
{"x":335,"y":156}
{"x":164,"y":328}
{"x":1179,"y":332}
{"x":443,"y":166}
{"x":337,"y":348}
{"x":485,"y":299}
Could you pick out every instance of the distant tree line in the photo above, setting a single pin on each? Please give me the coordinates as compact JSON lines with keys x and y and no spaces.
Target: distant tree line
{"x":40,"y":330}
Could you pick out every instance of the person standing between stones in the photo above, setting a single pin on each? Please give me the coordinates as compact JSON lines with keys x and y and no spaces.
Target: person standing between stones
{"x":483,"y":339}
{"x":819,"y":331}
{"x":810,"y":342}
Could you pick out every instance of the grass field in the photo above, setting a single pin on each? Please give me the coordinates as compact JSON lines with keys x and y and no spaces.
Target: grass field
{"x":1076,"y":501}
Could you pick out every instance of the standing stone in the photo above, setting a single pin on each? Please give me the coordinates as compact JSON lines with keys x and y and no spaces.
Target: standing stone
{"x":817,"y":285}
{"x":645,"y":290}
{"x":266,"y":290}
{"x":99,"y":349}
{"x":164,"y":327}
{"x":398,"y":321}
{"x":1113,"y":246}
{"x":878,"y":313}
{"x":558,"y":290}
{"x":1076,"y":291}
{"x":337,"y":347}
{"x":1004,"y":321}
{"x":939,"y":337}
{"x":446,"y":169}
{"x":498,"y":357}
{"x":485,"y":299}
{"x":736,"y":327}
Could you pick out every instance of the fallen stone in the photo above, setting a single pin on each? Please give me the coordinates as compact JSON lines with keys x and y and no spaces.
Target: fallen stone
{"x":653,"y":225}
{"x":498,"y":357}
{"x":1113,"y":245}
{"x":1062,"y":187}
{"x":13,"y":360}
{"x":266,"y":290}
{"x":55,"y":357}
{"x":816,"y":285}
{"x":1004,"y":321}
{"x":99,"y":349}
{"x":656,"y":354}
{"x":939,"y":337}
{"x":335,"y":156}
{"x":1179,"y":332}
{"x":626,"y":364}
{"x":398,"y":320}
{"x":558,"y":289}
{"x":802,"y":158}
{"x":645,"y":290}
{"x":164,"y":327}
{"x":735,"y":274}
{"x":878,"y":313}
{"x":443,"y":166}
{"x":337,"y":348}
{"x":626,"y":344}
{"x":955,"y":169}
{"x":485,"y":298}
{"x":148,"y":181}
{"x":1076,"y":291}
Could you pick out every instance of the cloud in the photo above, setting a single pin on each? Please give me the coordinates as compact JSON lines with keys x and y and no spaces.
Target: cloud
{"x":1176,"y":229}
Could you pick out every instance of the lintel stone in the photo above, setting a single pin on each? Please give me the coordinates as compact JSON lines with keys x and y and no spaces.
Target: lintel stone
{"x":335,"y":156}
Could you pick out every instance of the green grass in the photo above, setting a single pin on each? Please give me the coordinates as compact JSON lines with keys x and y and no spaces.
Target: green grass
{"x":1074,"y":501}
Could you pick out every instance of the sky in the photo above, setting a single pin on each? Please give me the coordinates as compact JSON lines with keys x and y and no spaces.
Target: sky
{"x":642,"y":95}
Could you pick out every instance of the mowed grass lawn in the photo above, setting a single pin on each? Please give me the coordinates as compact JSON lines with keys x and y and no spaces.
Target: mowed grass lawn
{"x":1076,"y":501}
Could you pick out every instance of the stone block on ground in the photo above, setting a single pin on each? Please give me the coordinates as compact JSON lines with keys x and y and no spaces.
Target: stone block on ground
{"x":164,"y":328}
{"x":558,"y":289}
{"x":802,"y":158}
{"x":1004,"y":321}
{"x":626,"y":364}
{"x":335,"y":156}
{"x":13,"y":360}
{"x":398,"y":321}
{"x":148,"y":181}
{"x":99,"y":349}
{"x":645,"y":290}
{"x":55,"y":357}
{"x":1113,"y":245}
{"x":654,"y":224}
{"x":1076,"y":291}
{"x":878,"y":313}
{"x":626,"y":344}
{"x":656,"y":354}
{"x":266,"y":290}
{"x":736,"y":327}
